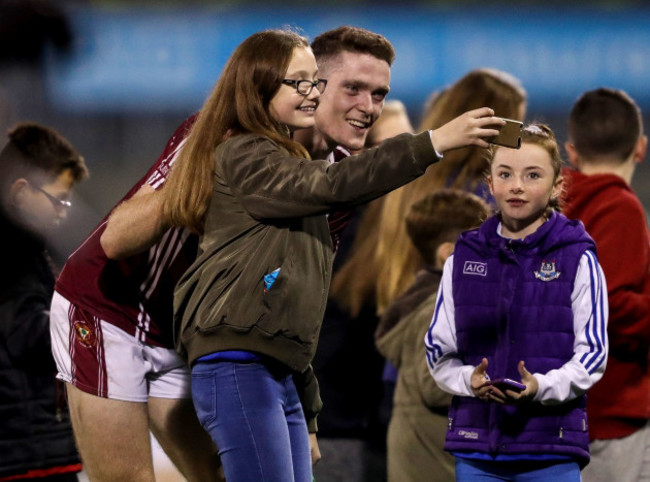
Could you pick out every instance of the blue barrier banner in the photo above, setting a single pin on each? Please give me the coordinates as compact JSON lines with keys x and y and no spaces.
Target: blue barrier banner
{"x":153,"y":59}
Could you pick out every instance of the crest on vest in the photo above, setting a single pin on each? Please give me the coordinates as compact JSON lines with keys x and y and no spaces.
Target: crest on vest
{"x":547,"y":271}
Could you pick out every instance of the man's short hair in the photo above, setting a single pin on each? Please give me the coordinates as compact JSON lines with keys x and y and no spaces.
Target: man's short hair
{"x":440,"y":217}
{"x":352,"y":39}
{"x":34,"y":149}
{"x":605,"y":123}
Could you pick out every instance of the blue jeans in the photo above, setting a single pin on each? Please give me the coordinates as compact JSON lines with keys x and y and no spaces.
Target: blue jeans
{"x":253,"y":413}
{"x":522,"y":471}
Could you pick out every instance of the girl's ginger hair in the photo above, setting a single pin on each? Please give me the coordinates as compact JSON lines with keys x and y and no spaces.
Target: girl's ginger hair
{"x":540,"y":135}
{"x":238,"y":104}
{"x":460,"y":169}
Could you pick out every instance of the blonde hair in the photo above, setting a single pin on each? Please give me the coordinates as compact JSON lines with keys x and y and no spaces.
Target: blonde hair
{"x":393,"y":110}
{"x":239,"y":103}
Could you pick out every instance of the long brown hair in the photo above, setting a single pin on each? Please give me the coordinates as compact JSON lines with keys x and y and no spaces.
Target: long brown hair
{"x":238,"y":104}
{"x":464,"y":169}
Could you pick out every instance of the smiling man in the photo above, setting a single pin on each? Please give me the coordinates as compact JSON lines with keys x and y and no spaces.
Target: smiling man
{"x":356,"y":64}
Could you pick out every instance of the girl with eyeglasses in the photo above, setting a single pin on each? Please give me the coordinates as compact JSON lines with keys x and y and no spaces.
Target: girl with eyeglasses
{"x":248,"y":311}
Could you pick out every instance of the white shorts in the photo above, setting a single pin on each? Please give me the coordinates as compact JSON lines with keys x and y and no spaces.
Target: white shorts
{"x":103,"y":360}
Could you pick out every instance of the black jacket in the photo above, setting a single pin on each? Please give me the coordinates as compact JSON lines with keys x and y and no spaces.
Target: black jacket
{"x":35,"y":429}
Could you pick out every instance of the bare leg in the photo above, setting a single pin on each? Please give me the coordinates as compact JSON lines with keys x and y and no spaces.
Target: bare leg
{"x":175,"y":426}
{"x":112,"y":437}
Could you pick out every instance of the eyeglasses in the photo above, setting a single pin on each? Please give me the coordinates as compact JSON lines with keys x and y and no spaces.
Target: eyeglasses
{"x":56,"y":202}
{"x":304,"y":87}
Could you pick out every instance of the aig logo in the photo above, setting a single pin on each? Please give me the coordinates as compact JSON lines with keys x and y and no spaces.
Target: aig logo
{"x":475,"y":267}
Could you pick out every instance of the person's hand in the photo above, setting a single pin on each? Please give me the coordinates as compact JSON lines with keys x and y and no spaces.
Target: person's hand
{"x":478,"y":379}
{"x":532,"y":386}
{"x":315,"y":451}
{"x":468,"y":129}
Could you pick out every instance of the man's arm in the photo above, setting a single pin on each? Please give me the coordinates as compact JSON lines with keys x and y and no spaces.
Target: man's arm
{"x":135,"y":225}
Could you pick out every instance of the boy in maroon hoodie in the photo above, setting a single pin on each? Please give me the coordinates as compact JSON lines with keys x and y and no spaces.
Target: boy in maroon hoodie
{"x":606,"y":142}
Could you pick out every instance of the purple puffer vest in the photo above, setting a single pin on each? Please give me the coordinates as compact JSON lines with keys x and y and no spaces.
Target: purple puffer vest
{"x":512,"y":302}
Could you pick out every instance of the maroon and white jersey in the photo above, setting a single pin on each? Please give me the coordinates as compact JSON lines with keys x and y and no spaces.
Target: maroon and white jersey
{"x":135,"y":294}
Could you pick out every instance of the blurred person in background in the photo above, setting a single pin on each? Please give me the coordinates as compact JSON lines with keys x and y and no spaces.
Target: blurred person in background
{"x":606,"y":143}
{"x":416,"y":433}
{"x":397,"y":257}
{"x":38,"y":171}
{"x":394,"y":120}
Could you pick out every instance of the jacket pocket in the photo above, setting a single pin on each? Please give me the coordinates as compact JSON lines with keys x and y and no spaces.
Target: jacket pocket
{"x":277,"y":298}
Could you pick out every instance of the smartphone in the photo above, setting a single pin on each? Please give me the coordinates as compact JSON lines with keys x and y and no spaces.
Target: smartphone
{"x":504,"y":384}
{"x":509,"y":134}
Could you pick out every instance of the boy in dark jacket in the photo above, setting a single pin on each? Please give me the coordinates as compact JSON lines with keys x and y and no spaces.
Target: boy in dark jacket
{"x":38,"y":169}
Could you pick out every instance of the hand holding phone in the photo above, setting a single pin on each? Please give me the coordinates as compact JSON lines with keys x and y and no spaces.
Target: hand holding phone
{"x":509,"y":134}
{"x":504,"y":384}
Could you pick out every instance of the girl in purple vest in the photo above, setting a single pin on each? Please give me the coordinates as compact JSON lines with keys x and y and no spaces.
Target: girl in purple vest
{"x":522,"y":298}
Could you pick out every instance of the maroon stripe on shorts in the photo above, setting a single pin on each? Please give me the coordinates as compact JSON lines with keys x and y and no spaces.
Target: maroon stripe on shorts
{"x":87,"y":352}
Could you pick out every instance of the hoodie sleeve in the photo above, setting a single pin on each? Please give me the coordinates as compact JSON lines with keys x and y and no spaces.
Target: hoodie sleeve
{"x":616,"y":220}
{"x":624,"y":252}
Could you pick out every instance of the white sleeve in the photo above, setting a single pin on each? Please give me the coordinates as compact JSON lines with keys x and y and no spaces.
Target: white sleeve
{"x":440,"y":341}
{"x":590,"y":314}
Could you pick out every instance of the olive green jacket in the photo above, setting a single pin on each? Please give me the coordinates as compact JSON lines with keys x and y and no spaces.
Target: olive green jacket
{"x":268,"y":214}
